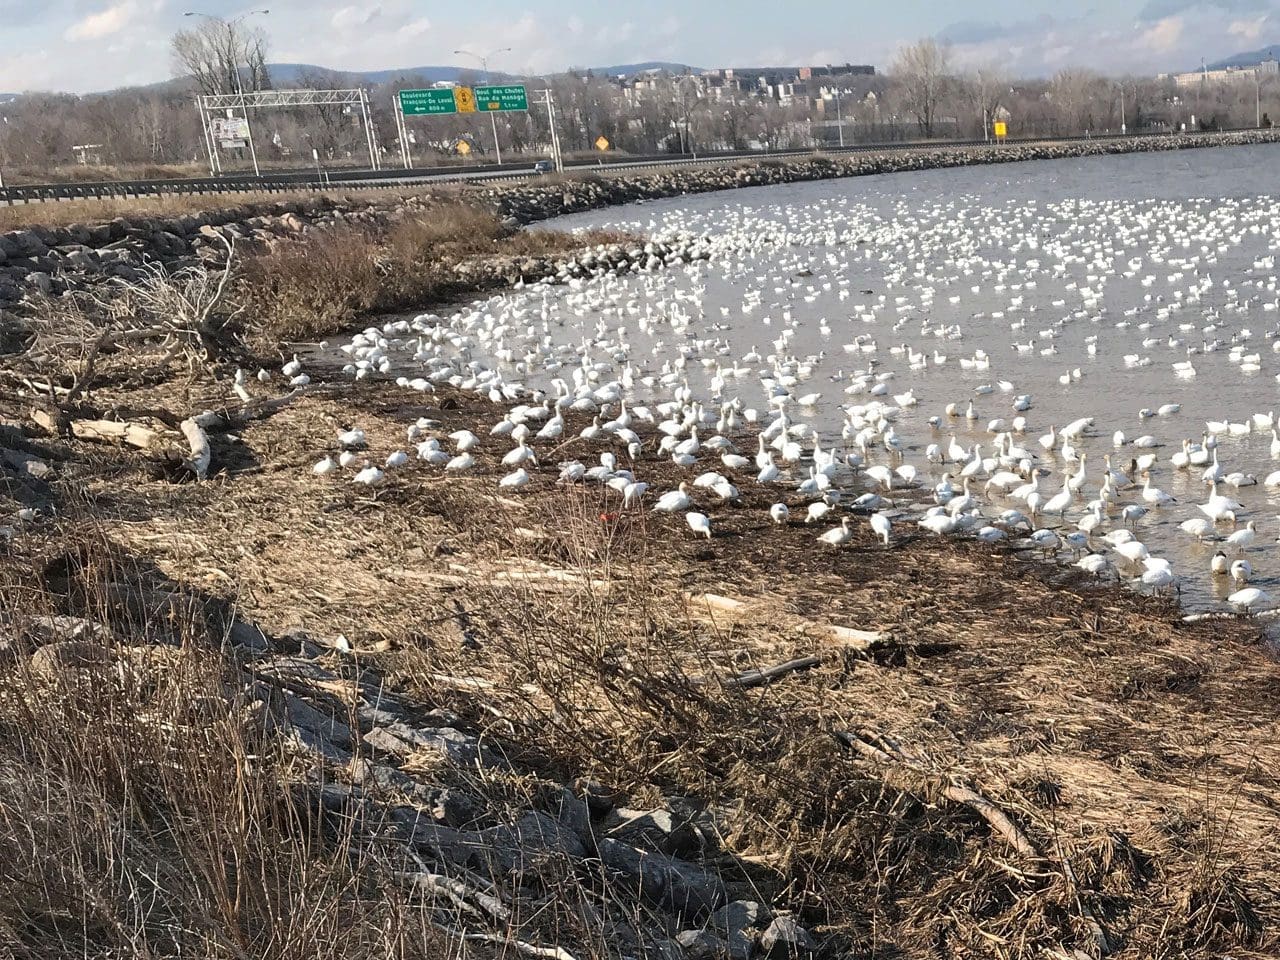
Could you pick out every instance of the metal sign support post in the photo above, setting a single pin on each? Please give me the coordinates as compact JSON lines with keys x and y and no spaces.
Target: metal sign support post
{"x":208,"y":138}
{"x":497,"y":147}
{"x":253,"y":151}
{"x":555,"y":139}
{"x":402,"y":129}
{"x":368,"y":130}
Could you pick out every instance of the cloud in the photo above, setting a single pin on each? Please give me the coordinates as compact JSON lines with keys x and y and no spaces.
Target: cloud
{"x":415,"y":28}
{"x":103,"y":23}
{"x":1248,"y":30}
{"x":1160,"y":9}
{"x":345,"y":18}
{"x":1163,"y":36}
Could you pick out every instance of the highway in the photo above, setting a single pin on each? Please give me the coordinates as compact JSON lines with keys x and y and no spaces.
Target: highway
{"x":389,"y":178}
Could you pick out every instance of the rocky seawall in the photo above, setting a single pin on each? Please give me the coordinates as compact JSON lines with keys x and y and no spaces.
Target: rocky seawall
{"x":55,"y":260}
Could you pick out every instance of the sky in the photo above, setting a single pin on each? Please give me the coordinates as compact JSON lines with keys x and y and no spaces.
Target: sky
{"x":87,"y":45}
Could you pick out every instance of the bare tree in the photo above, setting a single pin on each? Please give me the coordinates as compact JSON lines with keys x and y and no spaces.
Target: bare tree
{"x":1082,"y":100}
{"x":222,"y":57}
{"x":921,"y":70}
{"x":332,"y":128}
{"x":987,"y":88}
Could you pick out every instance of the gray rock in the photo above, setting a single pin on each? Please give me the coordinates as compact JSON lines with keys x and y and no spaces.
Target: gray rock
{"x":318,"y":746}
{"x":455,"y":808}
{"x":301,"y":714}
{"x":737,"y":923}
{"x":529,"y":844}
{"x":66,"y":657}
{"x":385,"y":778}
{"x":459,"y":747}
{"x":27,"y":243}
{"x":573,"y":814}
{"x":460,"y":847}
{"x":247,"y":637}
{"x":660,"y":829}
{"x":786,"y":938}
{"x":661,"y":879}
{"x":701,"y":945}
{"x":599,"y":798}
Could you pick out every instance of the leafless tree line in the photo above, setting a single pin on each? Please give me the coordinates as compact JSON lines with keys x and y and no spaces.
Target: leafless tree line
{"x":923,"y":96}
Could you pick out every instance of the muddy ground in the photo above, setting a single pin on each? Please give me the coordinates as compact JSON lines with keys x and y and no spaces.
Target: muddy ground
{"x":966,"y":751}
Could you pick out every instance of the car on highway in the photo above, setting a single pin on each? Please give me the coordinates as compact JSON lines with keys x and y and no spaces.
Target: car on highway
{"x":544,"y":167}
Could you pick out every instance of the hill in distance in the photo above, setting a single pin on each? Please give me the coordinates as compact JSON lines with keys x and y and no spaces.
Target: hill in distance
{"x":1246,"y":59}
{"x":284,"y":75}
{"x":631,"y":68}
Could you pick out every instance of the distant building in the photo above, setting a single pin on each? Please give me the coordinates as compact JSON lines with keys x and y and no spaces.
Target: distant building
{"x":789,"y":81}
{"x":1193,"y":78}
{"x":837,"y":70}
{"x":786,"y":85}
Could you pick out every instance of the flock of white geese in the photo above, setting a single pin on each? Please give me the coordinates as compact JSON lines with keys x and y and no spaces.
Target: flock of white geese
{"x":1021,"y":372}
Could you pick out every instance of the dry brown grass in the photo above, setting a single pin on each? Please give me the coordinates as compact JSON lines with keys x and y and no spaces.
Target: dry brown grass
{"x":309,"y":288}
{"x":146,"y":808}
{"x":1138,"y":754}
{"x":303,"y":290}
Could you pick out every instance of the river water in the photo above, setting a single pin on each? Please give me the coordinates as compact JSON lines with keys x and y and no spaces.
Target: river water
{"x":1078,"y":283}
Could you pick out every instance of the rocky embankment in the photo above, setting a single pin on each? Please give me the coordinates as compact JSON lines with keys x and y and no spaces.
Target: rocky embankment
{"x":53,"y":261}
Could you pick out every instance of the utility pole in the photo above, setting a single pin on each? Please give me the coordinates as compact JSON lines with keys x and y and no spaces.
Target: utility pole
{"x":484,"y":65}
{"x":556,"y":157}
{"x":839,"y":119}
{"x":1123,"y":125}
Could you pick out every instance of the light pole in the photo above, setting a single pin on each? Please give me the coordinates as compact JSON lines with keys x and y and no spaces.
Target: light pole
{"x":839,"y":119}
{"x":484,"y":65}
{"x":556,"y":156}
{"x":688,"y":111}
{"x":235,"y":69}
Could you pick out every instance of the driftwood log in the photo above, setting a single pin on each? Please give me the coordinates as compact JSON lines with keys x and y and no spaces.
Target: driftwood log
{"x":959,"y":791}
{"x":952,"y":789}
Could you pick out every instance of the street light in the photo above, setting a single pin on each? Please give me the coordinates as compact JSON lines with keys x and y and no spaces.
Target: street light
{"x":681,"y":85}
{"x":484,"y":65}
{"x":839,"y":119}
{"x":235,"y":68}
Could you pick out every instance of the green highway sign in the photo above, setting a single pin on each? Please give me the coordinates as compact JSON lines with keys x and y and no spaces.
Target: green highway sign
{"x":509,"y":97}
{"x":416,"y":103}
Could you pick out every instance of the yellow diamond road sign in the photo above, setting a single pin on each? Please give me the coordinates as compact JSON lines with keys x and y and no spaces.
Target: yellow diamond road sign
{"x":464,"y":148}
{"x":465,"y":99}
{"x":602,"y":143}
